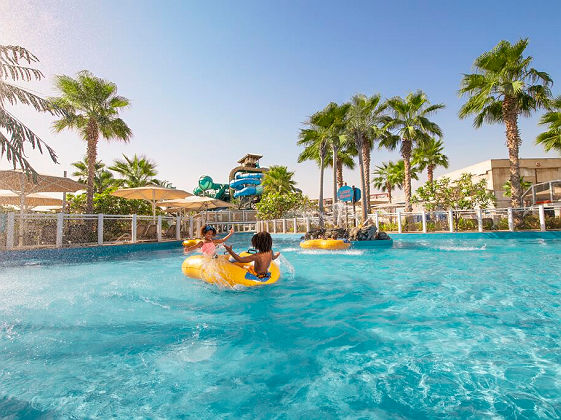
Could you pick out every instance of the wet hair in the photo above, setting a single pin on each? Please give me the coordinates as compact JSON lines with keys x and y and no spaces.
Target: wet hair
{"x":206,"y":228}
{"x":262,"y":241}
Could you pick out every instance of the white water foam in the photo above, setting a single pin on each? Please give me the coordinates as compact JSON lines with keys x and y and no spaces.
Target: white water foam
{"x":461,"y":248}
{"x":331,"y":252}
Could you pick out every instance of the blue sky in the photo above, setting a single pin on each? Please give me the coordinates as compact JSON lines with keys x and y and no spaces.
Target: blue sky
{"x":211,"y":81}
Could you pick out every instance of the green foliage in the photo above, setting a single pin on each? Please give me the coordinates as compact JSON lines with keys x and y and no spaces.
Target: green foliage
{"x":429,"y":155}
{"x":551,"y":139}
{"x":410,"y":125}
{"x":91,"y":107}
{"x":279,"y":179}
{"x":15,"y":65}
{"x":390,"y":175}
{"x":462,"y":194}
{"x":106,"y":203}
{"x":275,"y":205}
{"x":503,"y":73}
{"x":103,"y":178}
{"x":136,"y":172}
{"x":507,"y":188}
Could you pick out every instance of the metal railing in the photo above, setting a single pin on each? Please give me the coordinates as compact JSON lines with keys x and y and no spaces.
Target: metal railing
{"x":475,"y":220}
{"x":540,"y":218}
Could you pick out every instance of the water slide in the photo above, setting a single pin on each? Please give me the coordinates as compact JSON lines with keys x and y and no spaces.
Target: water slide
{"x":211,"y":189}
{"x":247,"y":184}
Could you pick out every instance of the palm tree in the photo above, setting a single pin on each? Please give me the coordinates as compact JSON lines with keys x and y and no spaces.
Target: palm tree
{"x":103,"y":178}
{"x":315,"y":141}
{"x":363,"y":118}
{"x":429,"y":155}
{"x":345,"y":159}
{"x":15,"y":65}
{"x":332,"y":119}
{"x":411,"y":126}
{"x":136,"y":172}
{"x":92,"y":107}
{"x":390,"y":176}
{"x":279,"y":179}
{"x":507,"y":188}
{"x":503,"y":87}
{"x":551,"y":139}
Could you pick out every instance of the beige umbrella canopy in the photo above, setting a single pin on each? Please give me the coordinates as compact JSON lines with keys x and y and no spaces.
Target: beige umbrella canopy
{"x":18,"y":182}
{"x":151,"y":193}
{"x":195,"y":203}
{"x":23,"y":185}
{"x":31,"y":200}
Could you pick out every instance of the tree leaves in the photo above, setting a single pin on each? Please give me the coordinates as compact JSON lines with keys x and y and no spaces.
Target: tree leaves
{"x":13,"y":144}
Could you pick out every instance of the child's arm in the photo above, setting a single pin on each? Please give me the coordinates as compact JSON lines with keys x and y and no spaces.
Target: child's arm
{"x":225,"y":238}
{"x":275,"y":256}
{"x":188,"y":249}
{"x":239,"y":259}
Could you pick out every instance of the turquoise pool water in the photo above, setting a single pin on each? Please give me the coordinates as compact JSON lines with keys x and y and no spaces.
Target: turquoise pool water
{"x":443,"y":326}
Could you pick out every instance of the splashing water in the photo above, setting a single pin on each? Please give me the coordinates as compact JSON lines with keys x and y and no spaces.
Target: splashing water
{"x":287,"y":269}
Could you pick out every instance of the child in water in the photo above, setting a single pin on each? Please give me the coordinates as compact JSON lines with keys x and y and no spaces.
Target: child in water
{"x":208,"y":243}
{"x":263,"y":243}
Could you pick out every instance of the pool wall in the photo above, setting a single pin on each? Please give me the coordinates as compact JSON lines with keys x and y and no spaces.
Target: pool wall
{"x":12,"y":257}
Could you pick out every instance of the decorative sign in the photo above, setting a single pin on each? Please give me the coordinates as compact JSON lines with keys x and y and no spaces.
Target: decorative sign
{"x":345,"y":194}
{"x":358,"y":195}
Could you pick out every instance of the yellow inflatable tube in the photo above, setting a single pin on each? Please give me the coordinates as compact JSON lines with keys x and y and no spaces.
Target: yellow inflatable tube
{"x":325,"y":244}
{"x":223,"y":272}
{"x":191,"y":242}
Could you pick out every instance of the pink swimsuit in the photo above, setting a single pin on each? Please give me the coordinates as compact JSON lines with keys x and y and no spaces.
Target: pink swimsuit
{"x":208,"y":248}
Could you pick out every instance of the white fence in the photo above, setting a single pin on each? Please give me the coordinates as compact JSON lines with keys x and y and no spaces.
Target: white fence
{"x":32,"y":230}
{"x":478,"y":220}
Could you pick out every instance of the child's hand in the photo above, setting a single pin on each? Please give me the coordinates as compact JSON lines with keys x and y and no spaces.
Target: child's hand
{"x":228,"y":248}
{"x":232,"y":230}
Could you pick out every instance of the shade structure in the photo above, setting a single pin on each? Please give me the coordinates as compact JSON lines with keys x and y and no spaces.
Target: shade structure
{"x":18,"y":182}
{"x":23,"y":185}
{"x":31,"y":200}
{"x":195,"y":203}
{"x":151,"y":193}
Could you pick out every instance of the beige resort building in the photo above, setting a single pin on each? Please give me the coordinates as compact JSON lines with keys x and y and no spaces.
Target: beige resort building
{"x":535,"y":170}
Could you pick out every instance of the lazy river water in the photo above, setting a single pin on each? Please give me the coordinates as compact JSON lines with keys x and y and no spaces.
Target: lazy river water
{"x":441,"y":326}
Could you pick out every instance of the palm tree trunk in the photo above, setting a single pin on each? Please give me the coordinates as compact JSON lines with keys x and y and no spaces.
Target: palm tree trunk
{"x":92,"y":136}
{"x":430,"y":172}
{"x":340,"y":180}
{"x":320,"y":199}
{"x":366,"y":160}
{"x":335,"y":160}
{"x":359,"y":144}
{"x":510,"y":117}
{"x":389,"y":190}
{"x":406,"y":156}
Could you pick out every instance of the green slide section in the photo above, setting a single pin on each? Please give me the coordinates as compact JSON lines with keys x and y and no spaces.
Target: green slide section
{"x":211,"y":189}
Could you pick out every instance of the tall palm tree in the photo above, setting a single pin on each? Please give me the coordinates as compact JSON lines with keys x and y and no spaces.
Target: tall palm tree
{"x":15,"y":65}
{"x":429,"y":155}
{"x":315,"y":142}
{"x":92,"y":107}
{"x":503,"y":87}
{"x":362,"y":119}
{"x":390,"y":176}
{"x":345,"y":159}
{"x":103,"y":178}
{"x":279,"y":179}
{"x":411,"y":126}
{"x":551,"y":139}
{"x":137,"y":171}
{"x":332,"y":119}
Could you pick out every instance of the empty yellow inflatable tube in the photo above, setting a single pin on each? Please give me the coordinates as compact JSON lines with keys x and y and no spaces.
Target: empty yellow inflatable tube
{"x":224,"y":271}
{"x":191,"y":242}
{"x":325,"y":244}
